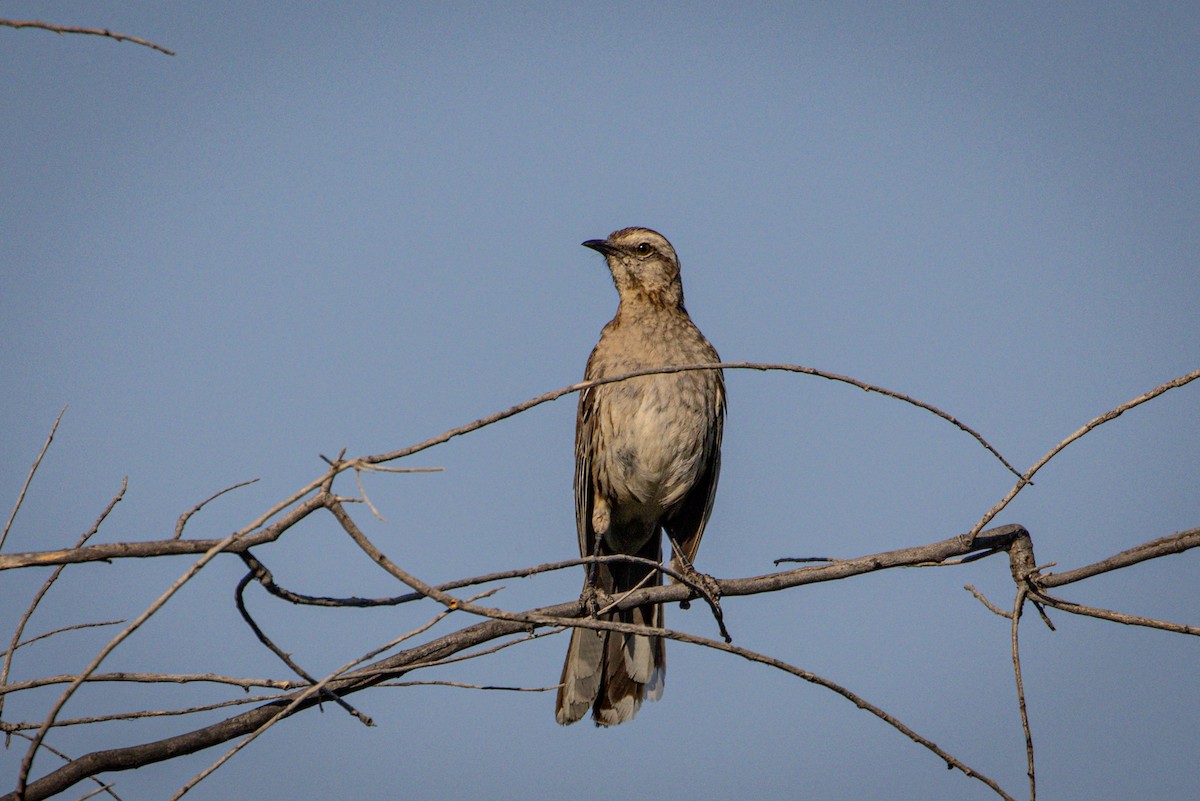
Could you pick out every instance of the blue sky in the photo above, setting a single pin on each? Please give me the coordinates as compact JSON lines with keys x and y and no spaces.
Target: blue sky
{"x":356,"y":226}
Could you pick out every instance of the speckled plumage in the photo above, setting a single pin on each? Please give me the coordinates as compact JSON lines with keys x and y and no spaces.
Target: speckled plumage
{"x":647,"y":458}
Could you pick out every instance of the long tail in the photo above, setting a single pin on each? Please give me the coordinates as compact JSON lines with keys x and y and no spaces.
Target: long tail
{"x":611,"y":672}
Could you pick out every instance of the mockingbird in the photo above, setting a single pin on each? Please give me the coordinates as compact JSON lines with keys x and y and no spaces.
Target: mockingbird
{"x":647,"y":456}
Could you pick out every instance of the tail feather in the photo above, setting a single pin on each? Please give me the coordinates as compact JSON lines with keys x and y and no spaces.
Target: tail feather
{"x":581,"y":674}
{"x":612,"y":672}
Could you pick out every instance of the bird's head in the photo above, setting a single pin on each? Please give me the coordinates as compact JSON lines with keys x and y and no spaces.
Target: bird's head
{"x":643,"y":265}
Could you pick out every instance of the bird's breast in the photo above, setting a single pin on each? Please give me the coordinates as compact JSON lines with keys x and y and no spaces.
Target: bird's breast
{"x":655,"y":441}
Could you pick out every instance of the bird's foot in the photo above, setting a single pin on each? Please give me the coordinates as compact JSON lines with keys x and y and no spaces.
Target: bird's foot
{"x":706,"y":587}
{"x":587,"y":600}
{"x":592,"y":600}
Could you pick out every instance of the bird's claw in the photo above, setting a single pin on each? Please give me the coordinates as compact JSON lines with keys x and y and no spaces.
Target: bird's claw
{"x":589,"y":600}
{"x":706,"y":587}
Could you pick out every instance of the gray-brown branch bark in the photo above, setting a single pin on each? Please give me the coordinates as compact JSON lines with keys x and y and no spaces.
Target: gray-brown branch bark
{"x":134,"y":756}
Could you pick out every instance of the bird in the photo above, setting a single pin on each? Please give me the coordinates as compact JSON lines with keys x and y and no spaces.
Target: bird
{"x":647,"y":459}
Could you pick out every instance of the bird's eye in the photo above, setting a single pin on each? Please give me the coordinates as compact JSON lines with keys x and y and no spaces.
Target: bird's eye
{"x":643,"y":249}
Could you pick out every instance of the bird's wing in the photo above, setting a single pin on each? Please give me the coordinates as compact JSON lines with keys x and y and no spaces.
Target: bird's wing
{"x":584,"y":489}
{"x":686,"y":525}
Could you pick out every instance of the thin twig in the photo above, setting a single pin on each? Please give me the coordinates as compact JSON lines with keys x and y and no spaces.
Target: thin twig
{"x":466,"y":686}
{"x":103,"y":788}
{"x":802,"y":560}
{"x":454,"y":603}
{"x":29,"y":478}
{"x":861,"y":703}
{"x":464,"y":657}
{"x":1018,"y":603}
{"x":53,"y":577}
{"x":1115,"y":617}
{"x":61,"y":29}
{"x":62,"y":630}
{"x":990,"y":606}
{"x":366,"y":498}
{"x":379,"y":468}
{"x":240,"y":602}
{"x":146,"y":713}
{"x":183,"y":518}
{"x":300,"y":698}
{"x":196,"y":567}
{"x":153,"y":678}
{"x":1112,"y":414}
{"x":762,"y":366}
{"x":1163,"y":546}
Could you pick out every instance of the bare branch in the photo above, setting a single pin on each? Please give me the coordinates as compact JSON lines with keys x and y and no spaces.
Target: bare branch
{"x":1112,"y":414}
{"x":1163,"y":546}
{"x":991,"y":607}
{"x":147,"y":713}
{"x":62,"y":630}
{"x":29,"y":478}
{"x":49,"y":582}
{"x":62,"y":29}
{"x":240,"y":601}
{"x":763,"y":366}
{"x":154,"y":678}
{"x":465,"y":657}
{"x":1115,"y":617}
{"x":466,"y":686}
{"x":105,"y":788}
{"x":180,"y":546}
{"x":235,"y":543}
{"x":183,"y":518}
{"x":1018,"y":603}
{"x":503,"y":625}
{"x":379,"y":468}
{"x":196,"y":567}
{"x":304,"y":697}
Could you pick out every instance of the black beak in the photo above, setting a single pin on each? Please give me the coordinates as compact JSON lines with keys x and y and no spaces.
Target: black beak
{"x":600,"y":245}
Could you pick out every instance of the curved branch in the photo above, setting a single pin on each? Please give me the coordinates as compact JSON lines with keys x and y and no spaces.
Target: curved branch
{"x":582,"y":385}
{"x":1163,"y":546}
{"x":1012,"y":538}
{"x":569,"y":613}
{"x":61,"y":29}
{"x":177,"y":546}
{"x":1112,"y":414}
{"x":151,"y":548}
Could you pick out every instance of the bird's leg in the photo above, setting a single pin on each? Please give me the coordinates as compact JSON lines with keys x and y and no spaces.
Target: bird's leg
{"x":600,"y":520}
{"x":703,"y":585}
{"x":589,"y":598}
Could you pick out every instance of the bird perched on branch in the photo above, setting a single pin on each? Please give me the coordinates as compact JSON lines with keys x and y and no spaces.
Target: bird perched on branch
{"x":647,"y":457}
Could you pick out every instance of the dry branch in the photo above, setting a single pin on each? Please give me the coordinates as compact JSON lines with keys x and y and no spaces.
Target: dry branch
{"x":1026,"y":478}
{"x":153,"y":548}
{"x":1163,"y":546}
{"x":503,"y":625}
{"x":62,"y":29}
{"x":53,"y":577}
{"x":29,"y":477}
